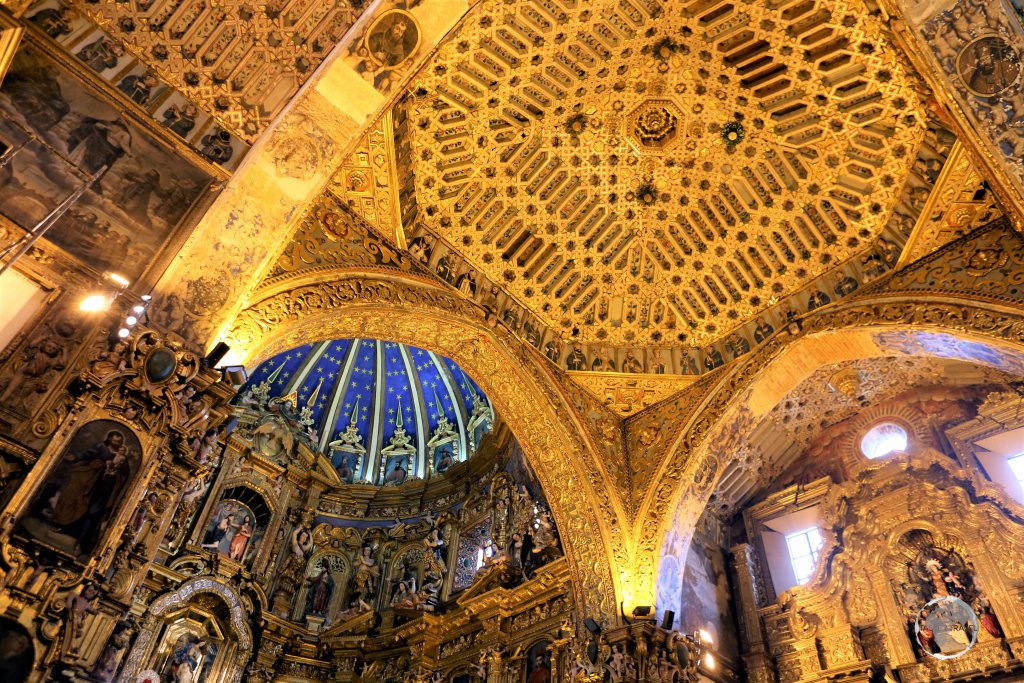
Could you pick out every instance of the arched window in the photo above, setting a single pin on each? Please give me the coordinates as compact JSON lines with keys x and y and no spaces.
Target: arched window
{"x":884,"y":439}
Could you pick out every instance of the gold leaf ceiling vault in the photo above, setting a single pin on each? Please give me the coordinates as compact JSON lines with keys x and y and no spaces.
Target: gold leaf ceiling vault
{"x":636,"y":176}
{"x":238,"y":60}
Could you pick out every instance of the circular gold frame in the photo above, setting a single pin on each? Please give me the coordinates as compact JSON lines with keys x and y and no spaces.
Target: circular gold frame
{"x":960,"y":72}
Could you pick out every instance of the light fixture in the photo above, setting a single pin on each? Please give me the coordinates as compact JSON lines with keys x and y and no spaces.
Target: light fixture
{"x":119,"y":279}
{"x":123,"y":333}
{"x":146,"y":297}
{"x":709,"y":661}
{"x":138,"y":309}
{"x":94,"y":303}
{"x":131,"y":320}
{"x":705,"y":637}
{"x":642,"y":611}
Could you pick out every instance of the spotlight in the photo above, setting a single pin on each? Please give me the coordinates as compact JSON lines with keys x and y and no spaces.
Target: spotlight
{"x":94,"y":303}
{"x":123,"y":333}
{"x":138,"y":310}
{"x":131,"y":320}
{"x":146,"y":297}
{"x":668,"y":619}
{"x":235,"y":374}
{"x":592,"y":626}
{"x":709,"y":661}
{"x":705,"y":637}
{"x":119,"y":279}
{"x":642,"y":611}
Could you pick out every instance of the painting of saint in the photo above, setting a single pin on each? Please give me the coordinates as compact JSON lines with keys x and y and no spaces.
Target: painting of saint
{"x":392,"y":38}
{"x":15,"y":652}
{"x":231,"y":530}
{"x":444,"y":457}
{"x":77,"y":499}
{"x":143,"y":188}
{"x":344,"y":468}
{"x":397,"y":470}
{"x":988,"y":66}
{"x":538,"y":663}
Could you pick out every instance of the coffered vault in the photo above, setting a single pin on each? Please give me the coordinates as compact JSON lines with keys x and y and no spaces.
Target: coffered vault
{"x":636,"y":173}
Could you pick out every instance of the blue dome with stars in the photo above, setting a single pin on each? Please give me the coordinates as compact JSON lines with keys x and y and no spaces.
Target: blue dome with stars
{"x":383,"y":412}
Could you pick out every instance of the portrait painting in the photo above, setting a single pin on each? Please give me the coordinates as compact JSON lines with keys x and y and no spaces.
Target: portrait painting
{"x":77,"y":500}
{"x":141,"y":191}
{"x":345,"y":466}
{"x":16,"y":653}
{"x":396,"y":471}
{"x":444,"y":457}
{"x":232,"y":532}
{"x":988,"y":65}
{"x":538,"y":663}
{"x":392,"y":38}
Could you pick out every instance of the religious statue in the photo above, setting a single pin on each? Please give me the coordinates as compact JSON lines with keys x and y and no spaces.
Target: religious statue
{"x":186,"y":660}
{"x":110,"y":659}
{"x":76,"y":607}
{"x":320,"y":588}
{"x":366,"y":573}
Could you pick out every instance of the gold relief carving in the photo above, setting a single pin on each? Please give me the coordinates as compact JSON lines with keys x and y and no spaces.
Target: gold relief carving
{"x":367,"y":182}
{"x":629,"y":394}
{"x":604,"y":231}
{"x":239,"y":62}
{"x":958,"y":204}
{"x":429,"y":317}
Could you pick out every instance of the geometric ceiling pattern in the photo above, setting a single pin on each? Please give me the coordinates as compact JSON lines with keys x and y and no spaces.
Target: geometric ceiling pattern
{"x":237,"y":60}
{"x":374,"y":402}
{"x":636,"y":175}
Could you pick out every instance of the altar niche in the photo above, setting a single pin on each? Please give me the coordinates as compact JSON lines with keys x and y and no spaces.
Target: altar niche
{"x":236,"y":525}
{"x":73,"y":506}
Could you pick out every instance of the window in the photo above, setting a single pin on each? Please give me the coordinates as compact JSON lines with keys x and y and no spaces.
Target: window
{"x":884,"y":439}
{"x":1016,"y":464}
{"x":804,"y":547}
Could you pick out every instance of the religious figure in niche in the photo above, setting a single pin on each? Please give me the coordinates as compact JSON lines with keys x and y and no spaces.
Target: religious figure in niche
{"x":230,"y":529}
{"x":79,"y":495}
{"x":576,"y":360}
{"x":364,"y":578}
{"x":187,"y":659}
{"x":538,"y":663}
{"x":320,"y":588}
{"x":344,"y":469}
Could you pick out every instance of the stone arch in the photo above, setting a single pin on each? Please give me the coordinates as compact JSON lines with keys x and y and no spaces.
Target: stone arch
{"x":968,"y":329}
{"x":516,"y":380}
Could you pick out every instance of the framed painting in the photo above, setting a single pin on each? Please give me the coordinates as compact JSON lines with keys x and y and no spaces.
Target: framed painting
{"x":65,"y":133}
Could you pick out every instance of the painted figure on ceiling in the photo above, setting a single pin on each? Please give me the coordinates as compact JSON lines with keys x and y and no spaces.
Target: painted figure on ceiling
{"x":97,"y":144}
{"x":101,"y":54}
{"x":55,"y":22}
{"x":138,"y":87}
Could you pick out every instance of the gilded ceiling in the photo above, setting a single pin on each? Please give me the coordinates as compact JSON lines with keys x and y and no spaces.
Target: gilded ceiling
{"x":238,"y":60}
{"x":635,"y":176}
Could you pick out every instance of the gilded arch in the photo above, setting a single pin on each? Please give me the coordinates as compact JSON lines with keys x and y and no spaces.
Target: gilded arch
{"x":721,"y":419}
{"x":408,"y":310}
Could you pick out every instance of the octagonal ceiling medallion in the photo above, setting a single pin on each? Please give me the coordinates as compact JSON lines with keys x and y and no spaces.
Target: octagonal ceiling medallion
{"x":635,"y":175}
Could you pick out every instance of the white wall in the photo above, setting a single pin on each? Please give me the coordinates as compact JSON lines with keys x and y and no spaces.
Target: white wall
{"x":20,"y":298}
{"x":994,"y":451}
{"x":775,"y":549}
